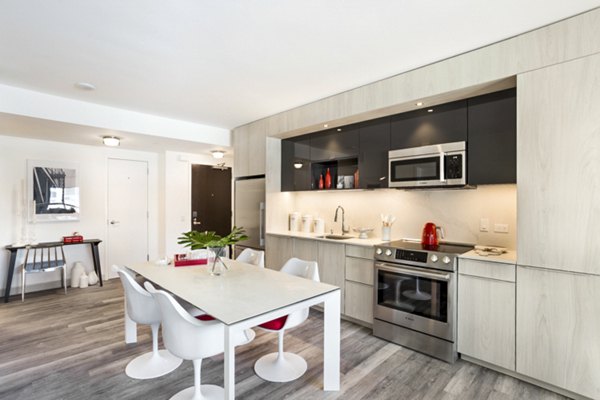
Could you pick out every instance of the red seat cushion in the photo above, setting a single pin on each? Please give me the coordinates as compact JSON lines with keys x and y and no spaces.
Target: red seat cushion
{"x":205,"y":317}
{"x":275,"y":324}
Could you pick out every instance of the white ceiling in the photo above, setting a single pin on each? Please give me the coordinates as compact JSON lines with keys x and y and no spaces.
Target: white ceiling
{"x":228,"y":62}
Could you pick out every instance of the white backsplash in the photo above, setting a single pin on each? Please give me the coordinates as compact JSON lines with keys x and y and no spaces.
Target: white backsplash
{"x":457,"y":211}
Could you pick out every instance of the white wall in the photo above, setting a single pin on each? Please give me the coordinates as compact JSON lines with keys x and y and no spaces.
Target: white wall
{"x":458,"y":211}
{"x":92,"y":170}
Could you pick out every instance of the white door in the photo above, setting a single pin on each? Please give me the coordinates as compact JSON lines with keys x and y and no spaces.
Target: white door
{"x":127,"y":213}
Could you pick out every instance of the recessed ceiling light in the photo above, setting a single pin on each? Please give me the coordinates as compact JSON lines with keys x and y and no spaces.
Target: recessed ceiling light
{"x":85,"y":86}
{"x":218,"y":153}
{"x":430,"y":110}
{"x":111,"y":141}
{"x":419,"y":103}
{"x":325,"y":125}
{"x":339,"y":129}
{"x":297,"y":165}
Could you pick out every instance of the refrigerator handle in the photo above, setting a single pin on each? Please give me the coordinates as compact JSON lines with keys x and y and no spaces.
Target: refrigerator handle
{"x":261,"y":224}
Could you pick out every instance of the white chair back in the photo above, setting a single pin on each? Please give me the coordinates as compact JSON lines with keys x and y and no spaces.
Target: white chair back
{"x":251,"y":256}
{"x":141,"y":307}
{"x":303,"y":269}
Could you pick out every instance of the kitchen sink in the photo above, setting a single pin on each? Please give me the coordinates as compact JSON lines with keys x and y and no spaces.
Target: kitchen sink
{"x":336,"y":237}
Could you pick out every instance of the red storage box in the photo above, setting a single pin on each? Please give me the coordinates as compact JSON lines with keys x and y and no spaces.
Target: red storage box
{"x":73,"y":239}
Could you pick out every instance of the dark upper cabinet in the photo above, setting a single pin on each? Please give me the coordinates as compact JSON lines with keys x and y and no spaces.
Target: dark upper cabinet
{"x":334,"y":144}
{"x":374,"y":144}
{"x":446,"y":123}
{"x":492,"y":144}
{"x":295,"y":164}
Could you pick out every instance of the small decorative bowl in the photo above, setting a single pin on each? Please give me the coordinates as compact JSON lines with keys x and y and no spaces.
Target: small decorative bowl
{"x":363,"y":233}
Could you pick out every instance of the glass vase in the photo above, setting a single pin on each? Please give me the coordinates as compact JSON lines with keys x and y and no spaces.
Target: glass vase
{"x":217,"y":266}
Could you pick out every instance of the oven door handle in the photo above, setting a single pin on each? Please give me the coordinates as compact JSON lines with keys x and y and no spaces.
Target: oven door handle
{"x":414,"y":272}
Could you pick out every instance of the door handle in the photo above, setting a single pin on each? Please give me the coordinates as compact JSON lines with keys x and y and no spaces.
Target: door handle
{"x":196,"y":222}
{"x":114,"y":222}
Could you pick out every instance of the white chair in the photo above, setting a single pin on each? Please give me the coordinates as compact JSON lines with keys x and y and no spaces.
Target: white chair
{"x":193,"y":339}
{"x":280,"y":366}
{"x":143,"y":309}
{"x":251,"y":256}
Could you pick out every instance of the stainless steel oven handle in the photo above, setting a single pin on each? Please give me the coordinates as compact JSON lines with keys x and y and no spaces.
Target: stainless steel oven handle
{"x":414,"y":272}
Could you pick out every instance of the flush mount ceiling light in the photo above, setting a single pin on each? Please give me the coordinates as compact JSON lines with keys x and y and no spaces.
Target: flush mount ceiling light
{"x":297,"y":165}
{"x":111,"y":141}
{"x":218,"y":153}
{"x":85,"y":86}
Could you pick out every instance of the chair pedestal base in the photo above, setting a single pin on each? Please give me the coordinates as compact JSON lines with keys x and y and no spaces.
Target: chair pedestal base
{"x":207,"y":392}
{"x":149,"y":365}
{"x":286,"y":368}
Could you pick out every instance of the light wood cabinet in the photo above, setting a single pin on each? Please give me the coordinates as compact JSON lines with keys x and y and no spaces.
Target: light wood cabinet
{"x":278,"y":249}
{"x":331,"y":259}
{"x":359,"y":283}
{"x":558,"y":137}
{"x":486,"y":312}
{"x":359,"y":301}
{"x":306,"y":249}
{"x":249,"y":149}
{"x":558,"y":329}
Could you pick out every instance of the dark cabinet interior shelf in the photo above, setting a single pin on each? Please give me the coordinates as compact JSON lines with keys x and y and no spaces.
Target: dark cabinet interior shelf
{"x":341,"y":171}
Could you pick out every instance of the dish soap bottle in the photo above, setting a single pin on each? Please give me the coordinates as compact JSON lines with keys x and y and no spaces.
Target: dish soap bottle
{"x":327,"y":179}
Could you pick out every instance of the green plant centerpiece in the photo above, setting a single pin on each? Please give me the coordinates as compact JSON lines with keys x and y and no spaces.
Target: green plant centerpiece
{"x":215,"y":244}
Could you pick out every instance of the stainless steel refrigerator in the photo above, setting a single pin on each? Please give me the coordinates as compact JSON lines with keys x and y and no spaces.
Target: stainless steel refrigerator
{"x":249,"y":212}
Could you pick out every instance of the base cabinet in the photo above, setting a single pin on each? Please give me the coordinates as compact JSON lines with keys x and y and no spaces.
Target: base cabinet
{"x":278,"y":249}
{"x":359,"y":301}
{"x":331,"y":258}
{"x":486,"y":319}
{"x":558,"y":329}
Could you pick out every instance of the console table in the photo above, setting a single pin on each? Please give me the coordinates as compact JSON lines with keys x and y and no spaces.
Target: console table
{"x":93,"y":243}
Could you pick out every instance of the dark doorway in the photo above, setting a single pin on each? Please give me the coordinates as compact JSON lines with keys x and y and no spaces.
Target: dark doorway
{"x":211,"y":199}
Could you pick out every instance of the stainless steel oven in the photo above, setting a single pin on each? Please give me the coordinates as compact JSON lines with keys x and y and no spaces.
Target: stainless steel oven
{"x":437,"y":165}
{"x":415,"y":296}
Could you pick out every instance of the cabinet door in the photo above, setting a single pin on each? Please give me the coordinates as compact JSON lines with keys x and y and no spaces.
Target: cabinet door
{"x":486,"y":320}
{"x":374,"y":145}
{"x":257,"y":149}
{"x":445,"y":124}
{"x":278,"y":250}
{"x":331,"y":259}
{"x":334,"y":144}
{"x":295,"y":152}
{"x":240,"y":152}
{"x":558,"y":329}
{"x":492,"y":144}
{"x":359,"y":301}
{"x":558,"y":137}
{"x":305,"y":249}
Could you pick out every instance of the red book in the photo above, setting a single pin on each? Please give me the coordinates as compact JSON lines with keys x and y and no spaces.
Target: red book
{"x":180,"y":260}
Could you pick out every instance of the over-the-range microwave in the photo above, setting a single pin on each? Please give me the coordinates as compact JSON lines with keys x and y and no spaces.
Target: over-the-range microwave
{"x":440,"y":165}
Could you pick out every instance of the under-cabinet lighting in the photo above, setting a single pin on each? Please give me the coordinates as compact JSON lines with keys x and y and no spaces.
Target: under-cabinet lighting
{"x":430,"y":110}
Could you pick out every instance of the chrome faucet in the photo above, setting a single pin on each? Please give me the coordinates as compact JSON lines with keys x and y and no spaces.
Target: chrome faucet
{"x":344,"y":230}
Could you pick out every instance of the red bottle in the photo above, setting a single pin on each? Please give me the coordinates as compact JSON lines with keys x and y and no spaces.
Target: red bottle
{"x":321,"y":181}
{"x":327,"y":179}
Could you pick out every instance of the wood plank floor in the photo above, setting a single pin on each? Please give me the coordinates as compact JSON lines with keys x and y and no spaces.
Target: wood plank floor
{"x":72,"y":347}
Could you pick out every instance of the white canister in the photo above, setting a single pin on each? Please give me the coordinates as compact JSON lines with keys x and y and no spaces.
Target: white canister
{"x":295,"y":221}
{"x":319,"y":226}
{"x":386,"y":233}
{"x":83,"y":281}
{"x":76,"y":273}
{"x":307,"y":221}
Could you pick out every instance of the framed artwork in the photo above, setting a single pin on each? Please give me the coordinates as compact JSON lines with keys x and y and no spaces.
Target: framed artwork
{"x":52,"y":191}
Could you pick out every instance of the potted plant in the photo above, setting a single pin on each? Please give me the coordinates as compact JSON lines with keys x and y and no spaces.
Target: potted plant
{"x":215,"y":244}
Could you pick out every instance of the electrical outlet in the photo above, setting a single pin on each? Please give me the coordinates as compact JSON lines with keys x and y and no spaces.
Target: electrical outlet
{"x":501,"y":228}
{"x":484,"y":225}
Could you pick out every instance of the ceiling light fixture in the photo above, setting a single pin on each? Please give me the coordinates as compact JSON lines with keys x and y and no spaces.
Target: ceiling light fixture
{"x":111,"y":141}
{"x":218,"y":153}
{"x":298,"y":165}
{"x":419,"y":103}
{"x":85,"y":86}
{"x":339,"y":129}
{"x":325,"y":126}
{"x":430,"y":110}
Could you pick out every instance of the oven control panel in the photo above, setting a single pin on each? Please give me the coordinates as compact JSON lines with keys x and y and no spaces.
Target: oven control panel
{"x":424,"y":258}
{"x":409,"y":255}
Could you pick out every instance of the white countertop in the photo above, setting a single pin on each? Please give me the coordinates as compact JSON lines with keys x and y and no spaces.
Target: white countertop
{"x":510,"y":257}
{"x":354,"y":240}
{"x":242,"y":292}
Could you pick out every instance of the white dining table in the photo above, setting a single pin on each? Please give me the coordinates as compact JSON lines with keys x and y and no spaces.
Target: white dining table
{"x":244,"y":297}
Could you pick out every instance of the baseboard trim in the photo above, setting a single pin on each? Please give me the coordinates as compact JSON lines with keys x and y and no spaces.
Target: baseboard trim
{"x":524,"y":378}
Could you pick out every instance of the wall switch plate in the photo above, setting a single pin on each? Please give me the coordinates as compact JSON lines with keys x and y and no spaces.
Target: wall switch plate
{"x":484,"y":225}
{"x":501,"y":228}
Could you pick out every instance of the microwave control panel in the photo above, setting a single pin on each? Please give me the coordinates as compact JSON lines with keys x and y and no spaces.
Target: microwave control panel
{"x":453,"y":166}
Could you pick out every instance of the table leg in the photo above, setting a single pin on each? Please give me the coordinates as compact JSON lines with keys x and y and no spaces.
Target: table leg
{"x":229,"y":371}
{"x":97,"y":266}
{"x":331,"y":342}
{"x":9,"y":275}
{"x":130,"y":328}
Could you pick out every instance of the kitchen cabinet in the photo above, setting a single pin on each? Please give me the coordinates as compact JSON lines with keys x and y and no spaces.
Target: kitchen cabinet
{"x":374,"y":145}
{"x":558,"y":329}
{"x":278,"y":249}
{"x":295,"y":164}
{"x":558,"y":171}
{"x":492,"y":144}
{"x":486,"y":311}
{"x":249,"y":145}
{"x":359,"y":284}
{"x":446,"y":123}
{"x":305,"y":249}
{"x":334,"y":144}
{"x":331,"y":259}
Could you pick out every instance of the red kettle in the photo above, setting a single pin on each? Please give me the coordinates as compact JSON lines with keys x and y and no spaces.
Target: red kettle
{"x":429,"y":237}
